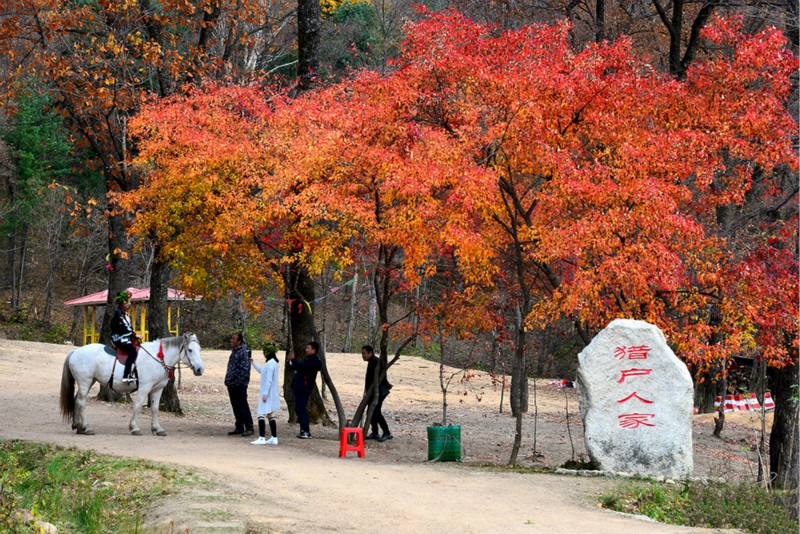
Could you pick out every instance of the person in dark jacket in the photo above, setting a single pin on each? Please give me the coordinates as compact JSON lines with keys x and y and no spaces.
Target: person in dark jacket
{"x":305,"y":378}
{"x":237,"y":378}
{"x":123,"y":335}
{"x":373,"y":366}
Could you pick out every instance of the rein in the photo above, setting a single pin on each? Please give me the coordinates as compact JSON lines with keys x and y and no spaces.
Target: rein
{"x":160,"y":359}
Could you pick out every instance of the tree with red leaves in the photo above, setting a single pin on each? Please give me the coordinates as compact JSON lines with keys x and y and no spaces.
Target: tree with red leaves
{"x":590,"y":182}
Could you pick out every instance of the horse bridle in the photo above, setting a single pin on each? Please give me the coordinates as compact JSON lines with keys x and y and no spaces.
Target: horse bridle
{"x":181,"y":351}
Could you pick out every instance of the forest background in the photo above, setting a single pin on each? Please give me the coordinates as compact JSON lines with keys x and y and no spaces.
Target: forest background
{"x":412,"y":255}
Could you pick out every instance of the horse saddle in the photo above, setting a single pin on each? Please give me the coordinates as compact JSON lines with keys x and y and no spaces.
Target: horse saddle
{"x":120,"y":354}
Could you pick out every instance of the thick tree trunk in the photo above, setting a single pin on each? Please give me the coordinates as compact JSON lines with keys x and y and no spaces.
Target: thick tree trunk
{"x":783,"y":441}
{"x":372,"y":312}
{"x":169,"y":399}
{"x":238,"y":319}
{"x":519,"y":387}
{"x":351,"y":322}
{"x":309,"y":16}
{"x":519,"y":373}
{"x":300,"y":286}
{"x":117,"y":281}
{"x":675,"y":31}
{"x":679,"y":63}
{"x":301,"y":325}
{"x":383,"y":294}
{"x":159,"y":299}
{"x":118,"y":273}
{"x":443,"y":385}
{"x":157,"y":323}
{"x":705,"y":393}
{"x":519,"y":383}
{"x":792,"y":31}
{"x":719,"y":420}
{"x":600,"y":21}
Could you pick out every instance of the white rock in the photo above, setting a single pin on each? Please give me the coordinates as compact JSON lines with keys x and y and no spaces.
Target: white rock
{"x":636,"y":401}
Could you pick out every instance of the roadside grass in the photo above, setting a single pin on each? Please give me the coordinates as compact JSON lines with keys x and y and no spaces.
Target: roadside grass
{"x":747,"y":507}
{"x":77,"y":491}
{"x":719,"y":505}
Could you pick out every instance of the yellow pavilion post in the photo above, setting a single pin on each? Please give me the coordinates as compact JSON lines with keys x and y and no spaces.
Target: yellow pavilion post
{"x":173,"y":330}
{"x":95,"y":334}
{"x":90,"y":334}
{"x":144,"y":333}
{"x":139,"y":319}
{"x":86,"y":334}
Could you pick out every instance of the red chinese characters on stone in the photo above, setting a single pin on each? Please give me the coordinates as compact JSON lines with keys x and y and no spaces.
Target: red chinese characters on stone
{"x":634,"y":395}
{"x":625,"y":373}
{"x":635,"y":420}
{"x":638,"y":352}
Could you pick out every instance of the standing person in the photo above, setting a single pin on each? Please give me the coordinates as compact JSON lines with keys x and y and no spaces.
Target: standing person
{"x":237,"y":379}
{"x":122,"y":333}
{"x":373,"y":364}
{"x":269,"y":402}
{"x":303,"y":384}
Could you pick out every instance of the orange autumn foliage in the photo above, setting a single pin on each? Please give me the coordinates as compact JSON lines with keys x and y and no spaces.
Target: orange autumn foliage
{"x":611,"y":175}
{"x":256,"y":182}
{"x":588,"y":183}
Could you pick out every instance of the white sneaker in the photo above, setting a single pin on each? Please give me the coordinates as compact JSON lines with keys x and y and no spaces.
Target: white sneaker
{"x":259,"y":441}
{"x":272,"y":441}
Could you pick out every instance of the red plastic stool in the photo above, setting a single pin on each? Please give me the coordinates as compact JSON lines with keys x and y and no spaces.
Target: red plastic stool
{"x":344,"y":438}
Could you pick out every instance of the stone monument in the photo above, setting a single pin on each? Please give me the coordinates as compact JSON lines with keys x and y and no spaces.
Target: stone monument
{"x":636,"y":400}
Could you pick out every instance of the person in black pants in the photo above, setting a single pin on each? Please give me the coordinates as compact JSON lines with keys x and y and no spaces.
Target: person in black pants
{"x":237,"y":379}
{"x":373,"y":366}
{"x":305,"y":378}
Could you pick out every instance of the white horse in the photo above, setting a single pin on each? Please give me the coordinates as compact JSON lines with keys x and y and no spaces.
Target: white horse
{"x":155,"y":364}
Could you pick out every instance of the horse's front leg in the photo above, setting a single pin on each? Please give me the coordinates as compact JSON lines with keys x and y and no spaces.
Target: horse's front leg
{"x":155,"y":403}
{"x":141,"y":397}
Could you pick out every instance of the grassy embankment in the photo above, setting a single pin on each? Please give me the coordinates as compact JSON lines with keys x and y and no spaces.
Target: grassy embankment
{"x":748,"y":507}
{"x":77,"y":491}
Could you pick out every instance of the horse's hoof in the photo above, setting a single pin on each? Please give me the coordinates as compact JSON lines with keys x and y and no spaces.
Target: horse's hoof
{"x":136,"y":432}
{"x":159,"y":432}
{"x":86,"y":431}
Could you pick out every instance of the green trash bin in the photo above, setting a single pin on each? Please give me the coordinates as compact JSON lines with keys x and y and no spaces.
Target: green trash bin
{"x":444,"y":443}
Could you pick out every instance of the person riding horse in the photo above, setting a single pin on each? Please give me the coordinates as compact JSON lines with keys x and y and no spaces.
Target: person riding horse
{"x":123,"y":335}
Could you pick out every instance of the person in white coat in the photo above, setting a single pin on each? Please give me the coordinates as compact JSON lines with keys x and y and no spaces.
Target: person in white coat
{"x":269,"y":401}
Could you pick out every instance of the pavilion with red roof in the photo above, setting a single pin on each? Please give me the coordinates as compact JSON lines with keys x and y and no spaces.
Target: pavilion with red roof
{"x":138,"y":311}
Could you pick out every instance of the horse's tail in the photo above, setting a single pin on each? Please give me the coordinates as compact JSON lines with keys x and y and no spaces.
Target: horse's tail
{"x":67,"y":399}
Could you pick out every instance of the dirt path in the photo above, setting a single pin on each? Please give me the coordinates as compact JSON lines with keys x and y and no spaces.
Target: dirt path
{"x":302,"y":486}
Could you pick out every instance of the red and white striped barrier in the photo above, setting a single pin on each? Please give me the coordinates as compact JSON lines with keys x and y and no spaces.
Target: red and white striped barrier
{"x":742,"y":403}
{"x":730,"y":404}
{"x":739,"y":403}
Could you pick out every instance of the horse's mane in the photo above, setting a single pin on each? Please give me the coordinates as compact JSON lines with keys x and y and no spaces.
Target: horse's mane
{"x":172,"y":342}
